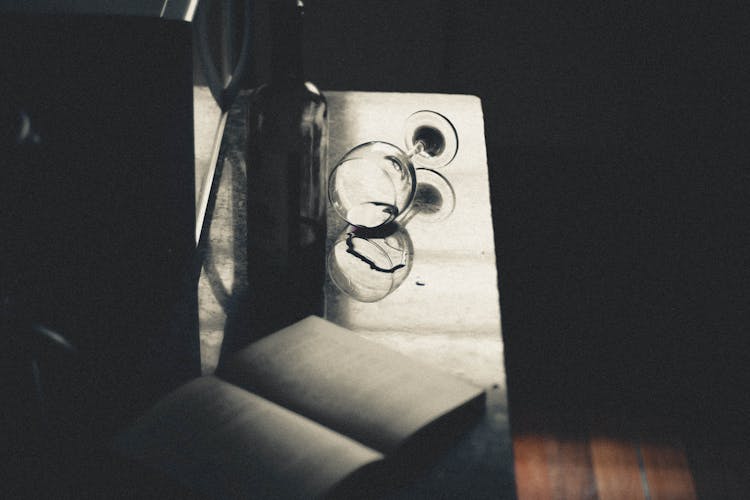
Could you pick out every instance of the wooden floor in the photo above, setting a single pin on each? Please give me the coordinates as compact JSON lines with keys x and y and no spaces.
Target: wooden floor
{"x":601,"y":467}
{"x":555,"y":461}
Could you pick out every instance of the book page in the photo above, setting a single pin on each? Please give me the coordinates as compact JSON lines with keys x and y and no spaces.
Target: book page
{"x":351,"y":385}
{"x":227,"y":443}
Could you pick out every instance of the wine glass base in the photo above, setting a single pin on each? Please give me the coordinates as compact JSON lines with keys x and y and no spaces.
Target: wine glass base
{"x":435,"y":199}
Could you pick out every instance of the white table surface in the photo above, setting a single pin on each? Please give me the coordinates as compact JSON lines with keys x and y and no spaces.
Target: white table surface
{"x":446,"y":311}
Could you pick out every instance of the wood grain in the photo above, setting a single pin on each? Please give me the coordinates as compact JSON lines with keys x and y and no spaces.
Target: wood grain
{"x":667,"y":471}
{"x":548,"y":467}
{"x":603,"y":467}
{"x":532,"y":468}
{"x":616,"y":468}
{"x":574,"y":475}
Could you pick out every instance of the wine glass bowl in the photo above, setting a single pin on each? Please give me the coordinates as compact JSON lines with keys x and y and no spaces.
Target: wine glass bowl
{"x":372,"y":184}
{"x":375,"y":183}
{"x":368,"y":265}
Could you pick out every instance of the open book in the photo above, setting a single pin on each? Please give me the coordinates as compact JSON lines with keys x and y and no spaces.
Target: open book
{"x":305,"y":412}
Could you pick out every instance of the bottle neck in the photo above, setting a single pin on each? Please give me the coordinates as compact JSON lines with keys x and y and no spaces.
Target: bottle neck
{"x":286,"y":46}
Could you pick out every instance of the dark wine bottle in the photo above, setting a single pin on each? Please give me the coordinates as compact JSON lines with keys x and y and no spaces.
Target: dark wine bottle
{"x":286,"y":178}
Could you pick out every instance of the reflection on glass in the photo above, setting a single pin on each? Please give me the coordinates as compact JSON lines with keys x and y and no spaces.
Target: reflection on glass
{"x":368,"y":265}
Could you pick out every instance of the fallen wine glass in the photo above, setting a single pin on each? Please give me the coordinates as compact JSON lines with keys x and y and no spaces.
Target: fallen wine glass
{"x":375,"y":183}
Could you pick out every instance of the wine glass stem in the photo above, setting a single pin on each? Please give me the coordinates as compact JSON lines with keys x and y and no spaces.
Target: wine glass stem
{"x":418,"y":148}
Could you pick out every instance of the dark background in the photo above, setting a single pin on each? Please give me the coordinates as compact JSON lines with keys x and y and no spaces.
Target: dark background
{"x":618,"y":161}
{"x":616,"y":138}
